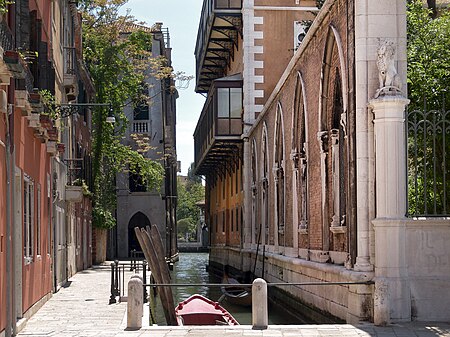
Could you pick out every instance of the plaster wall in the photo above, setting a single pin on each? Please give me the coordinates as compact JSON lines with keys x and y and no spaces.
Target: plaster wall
{"x":3,"y":197}
{"x":33,"y":160}
{"x":149,"y":204}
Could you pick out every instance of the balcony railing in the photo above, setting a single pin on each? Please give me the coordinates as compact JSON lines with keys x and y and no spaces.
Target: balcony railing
{"x":219,"y":129}
{"x":141,"y":126}
{"x":70,"y":61}
{"x":6,"y":36}
{"x":218,"y":32}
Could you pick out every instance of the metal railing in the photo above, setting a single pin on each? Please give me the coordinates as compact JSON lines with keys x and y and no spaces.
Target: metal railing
{"x":118,"y":270}
{"x":6,"y":36}
{"x":245,"y":285}
{"x":259,"y":297}
{"x":141,"y":127}
{"x":428,"y":162}
{"x":70,"y":60}
{"x":137,"y":256}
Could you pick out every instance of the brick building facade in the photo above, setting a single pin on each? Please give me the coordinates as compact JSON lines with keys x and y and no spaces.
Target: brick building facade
{"x":322,"y":158}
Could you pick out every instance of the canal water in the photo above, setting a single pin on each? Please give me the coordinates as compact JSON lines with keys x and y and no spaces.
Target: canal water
{"x":191,"y":268}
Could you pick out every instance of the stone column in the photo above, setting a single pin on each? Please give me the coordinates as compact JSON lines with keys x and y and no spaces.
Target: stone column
{"x":295,"y":219}
{"x":374,"y":20}
{"x":390,"y":231}
{"x":322,"y":137}
{"x":390,"y":163}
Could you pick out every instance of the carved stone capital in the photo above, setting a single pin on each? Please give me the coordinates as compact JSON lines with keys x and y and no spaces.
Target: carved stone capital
{"x":334,"y":135}
{"x":322,"y":137}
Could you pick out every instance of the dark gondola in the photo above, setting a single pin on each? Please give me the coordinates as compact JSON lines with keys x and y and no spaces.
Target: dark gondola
{"x":235,"y":293}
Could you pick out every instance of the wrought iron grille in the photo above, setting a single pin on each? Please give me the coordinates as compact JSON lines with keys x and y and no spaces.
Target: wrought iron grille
{"x":428,"y":162}
{"x":69,"y":61}
{"x":6,"y":36}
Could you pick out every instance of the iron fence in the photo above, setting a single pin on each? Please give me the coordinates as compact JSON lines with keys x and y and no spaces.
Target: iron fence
{"x":428,"y":163}
{"x":118,"y":274}
{"x":6,"y":36}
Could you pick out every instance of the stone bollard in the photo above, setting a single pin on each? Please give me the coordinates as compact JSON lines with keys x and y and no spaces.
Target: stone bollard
{"x":381,"y":316}
{"x":260,"y":315}
{"x":135,"y":303}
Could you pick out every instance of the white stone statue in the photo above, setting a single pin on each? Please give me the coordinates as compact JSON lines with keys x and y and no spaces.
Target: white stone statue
{"x":390,"y":82}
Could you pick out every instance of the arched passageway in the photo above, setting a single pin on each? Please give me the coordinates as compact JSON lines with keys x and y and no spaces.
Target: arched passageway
{"x":137,"y":220}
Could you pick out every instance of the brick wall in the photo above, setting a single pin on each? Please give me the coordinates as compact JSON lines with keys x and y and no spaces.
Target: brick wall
{"x":310,"y":64}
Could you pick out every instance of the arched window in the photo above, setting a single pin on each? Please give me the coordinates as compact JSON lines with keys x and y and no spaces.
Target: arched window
{"x":265,"y":185}
{"x":299,"y":158}
{"x":256,"y":228}
{"x":338,"y":157}
{"x":332,"y":138}
{"x":278,"y":172}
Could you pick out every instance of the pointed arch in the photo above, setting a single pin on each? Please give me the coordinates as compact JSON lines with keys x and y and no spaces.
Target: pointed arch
{"x":256,"y":228}
{"x":332,"y":136}
{"x":299,"y":158}
{"x":265,"y":184}
{"x":300,"y":116}
{"x":279,"y":179}
{"x":140,"y":220}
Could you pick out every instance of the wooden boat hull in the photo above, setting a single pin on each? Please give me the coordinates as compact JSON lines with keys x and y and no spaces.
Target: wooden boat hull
{"x":237,"y":296}
{"x":235,"y":293}
{"x":199,"y":310}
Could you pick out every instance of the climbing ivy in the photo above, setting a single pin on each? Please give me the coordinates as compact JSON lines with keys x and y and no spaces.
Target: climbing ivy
{"x":4,"y":6}
{"x":118,"y":56}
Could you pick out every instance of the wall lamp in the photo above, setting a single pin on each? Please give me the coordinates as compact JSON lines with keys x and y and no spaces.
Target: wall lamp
{"x":68,"y":109}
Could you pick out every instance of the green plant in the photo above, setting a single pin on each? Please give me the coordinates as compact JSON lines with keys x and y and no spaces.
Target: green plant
{"x":428,"y":57}
{"x":84,"y":186}
{"x":49,"y":101}
{"x":428,"y":121}
{"x":118,"y":63}
{"x":4,"y":6}
{"x":189,"y":194}
{"x":102,"y":218}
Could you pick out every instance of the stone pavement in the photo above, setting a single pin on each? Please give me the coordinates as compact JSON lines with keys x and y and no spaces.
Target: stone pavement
{"x":81,"y":309}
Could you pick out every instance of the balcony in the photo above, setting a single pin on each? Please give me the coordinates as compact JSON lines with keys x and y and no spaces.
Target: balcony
{"x":218,"y":32}
{"x":141,"y":126}
{"x":217,"y":136}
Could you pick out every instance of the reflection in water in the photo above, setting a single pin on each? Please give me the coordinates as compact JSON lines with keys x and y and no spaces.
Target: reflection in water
{"x":191,"y":268}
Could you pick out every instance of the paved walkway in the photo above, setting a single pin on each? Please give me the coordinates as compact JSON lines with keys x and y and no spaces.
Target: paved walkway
{"x":81,"y":309}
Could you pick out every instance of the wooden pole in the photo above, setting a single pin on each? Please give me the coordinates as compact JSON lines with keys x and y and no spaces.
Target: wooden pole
{"x":151,"y":257}
{"x":159,"y":249}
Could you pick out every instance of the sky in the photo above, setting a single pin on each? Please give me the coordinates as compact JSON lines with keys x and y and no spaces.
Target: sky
{"x":182,"y":19}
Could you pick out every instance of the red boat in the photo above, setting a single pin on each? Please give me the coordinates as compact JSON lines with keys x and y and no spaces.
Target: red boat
{"x":199,"y":310}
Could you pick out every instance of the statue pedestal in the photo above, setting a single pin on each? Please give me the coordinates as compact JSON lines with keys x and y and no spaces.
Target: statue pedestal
{"x":390,"y":155}
{"x":393,"y":296}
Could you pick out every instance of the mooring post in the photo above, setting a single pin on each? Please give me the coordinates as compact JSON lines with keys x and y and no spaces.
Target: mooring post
{"x":260,"y":315}
{"x":135,"y":304}
{"x":112,"y":299}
